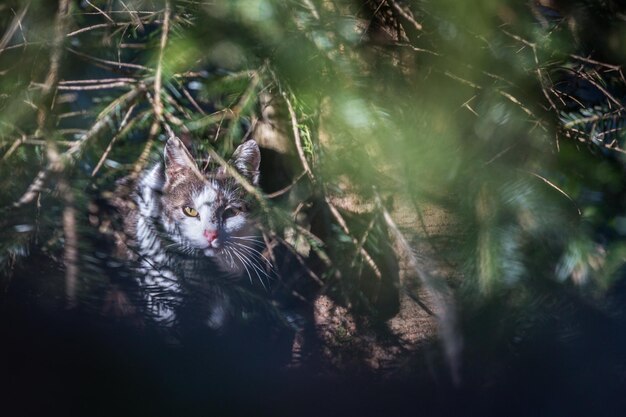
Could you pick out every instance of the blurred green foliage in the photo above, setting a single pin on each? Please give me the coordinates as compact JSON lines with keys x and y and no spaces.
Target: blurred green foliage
{"x":506,"y":116}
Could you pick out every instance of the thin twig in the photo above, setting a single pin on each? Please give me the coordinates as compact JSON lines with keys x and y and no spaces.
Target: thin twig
{"x":14,"y":147}
{"x":191,"y":99}
{"x":551,"y":184}
{"x":287,"y":188}
{"x":593,"y":119}
{"x":61,"y":24}
{"x":108,"y":62}
{"x":361,"y":242}
{"x":103,"y":122}
{"x":344,"y":226}
{"x":121,"y":131}
{"x":298,"y":140}
{"x":416,"y":49}
{"x":606,"y":93}
{"x":100,"y":11}
{"x":407,"y":15}
{"x":240,"y":179}
{"x":233,"y":112}
{"x":98,"y":81}
{"x":301,"y":261}
{"x":134,"y":16}
{"x":105,"y":25}
{"x":15,"y":24}
{"x":255,"y":79}
{"x":594,"y":62}
{"x":158,"y":83}
{"x":121,"y":84}
{"x":542,"y":82}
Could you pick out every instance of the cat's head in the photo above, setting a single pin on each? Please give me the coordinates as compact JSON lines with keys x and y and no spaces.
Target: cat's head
{"x":208,"y":212}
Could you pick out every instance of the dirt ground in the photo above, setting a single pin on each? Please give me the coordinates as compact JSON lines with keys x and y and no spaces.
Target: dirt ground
{"x":418,"y":320}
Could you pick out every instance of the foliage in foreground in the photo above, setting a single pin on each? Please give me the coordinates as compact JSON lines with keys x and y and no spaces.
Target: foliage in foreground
{"x":508,"y":118}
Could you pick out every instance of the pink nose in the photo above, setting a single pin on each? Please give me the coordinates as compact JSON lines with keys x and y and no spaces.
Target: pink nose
{"x":210,"y":235}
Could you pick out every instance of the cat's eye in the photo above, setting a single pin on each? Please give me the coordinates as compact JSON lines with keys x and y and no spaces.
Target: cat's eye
{"x":190,"y":211}
{"x":230,"y":212}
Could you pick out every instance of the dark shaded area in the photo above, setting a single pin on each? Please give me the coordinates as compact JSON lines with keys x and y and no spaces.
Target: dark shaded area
{"x":58,"y":362}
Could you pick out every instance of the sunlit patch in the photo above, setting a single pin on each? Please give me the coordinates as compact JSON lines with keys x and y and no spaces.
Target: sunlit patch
{"x":23,"y":228}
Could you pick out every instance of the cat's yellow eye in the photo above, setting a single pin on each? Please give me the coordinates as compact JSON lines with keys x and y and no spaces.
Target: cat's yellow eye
{"x":189,"y":211}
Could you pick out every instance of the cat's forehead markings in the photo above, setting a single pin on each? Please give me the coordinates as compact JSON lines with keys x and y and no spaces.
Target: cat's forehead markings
{"x":206,"y":195}
{"x":177,"y":181}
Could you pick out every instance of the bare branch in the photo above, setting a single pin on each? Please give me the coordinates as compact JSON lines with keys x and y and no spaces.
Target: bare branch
{"x":15,"y":24}
{"x":121,"y":84}
{"x":122,"y":130}
{"x":157,"y":103}
{"x":56,"y":166}
{"x":344,"y":226}
{"x":100,"y":11}
{"x":110,"y":63}
{"x":298,"y":140}
{"x":551,"y":184}
{"x":408,"y":15}
{"x":61,"y":25}
{"x":288,"y":187}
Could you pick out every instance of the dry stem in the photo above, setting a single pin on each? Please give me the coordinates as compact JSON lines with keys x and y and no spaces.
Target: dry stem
{"x":157,"y":103}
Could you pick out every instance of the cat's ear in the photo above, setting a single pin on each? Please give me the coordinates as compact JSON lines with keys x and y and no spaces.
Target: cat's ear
{"x":177,"y":158}
{"x":246,"y":159}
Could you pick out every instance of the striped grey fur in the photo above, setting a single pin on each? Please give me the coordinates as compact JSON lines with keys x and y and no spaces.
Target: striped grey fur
{"x":177,"y":253}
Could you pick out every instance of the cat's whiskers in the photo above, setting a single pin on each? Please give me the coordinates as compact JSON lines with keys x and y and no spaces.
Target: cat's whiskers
{"x":176,"y":246}
{"x":250,"y":237}
{"x":227,"y":252}
{"x":243,"y":263}
{"x":252,"y":252}
{"x":249,"y":241}
{"x":172,"y":245}
{"x":249,"y":261}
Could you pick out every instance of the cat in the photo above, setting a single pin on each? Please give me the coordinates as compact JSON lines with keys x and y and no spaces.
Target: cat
{"x":188,"y":229}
